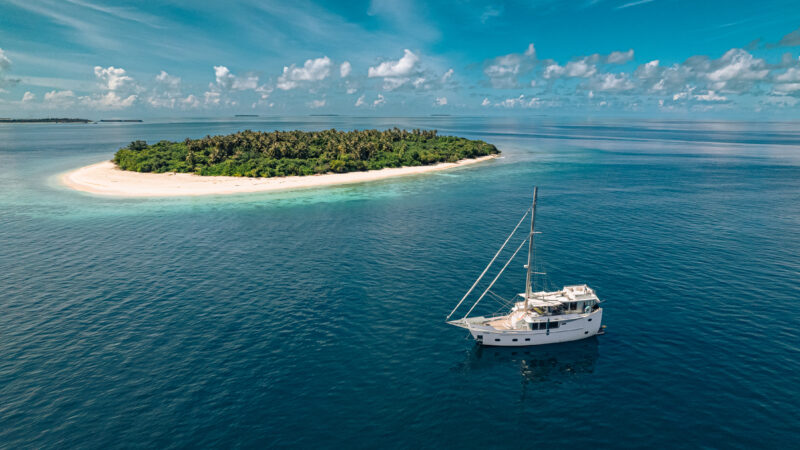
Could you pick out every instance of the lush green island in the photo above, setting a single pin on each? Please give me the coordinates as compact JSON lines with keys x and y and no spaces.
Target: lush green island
{"x":282,"y":153}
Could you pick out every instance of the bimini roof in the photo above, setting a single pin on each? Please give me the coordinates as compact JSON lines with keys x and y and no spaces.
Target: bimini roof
{"x":539,"y":300}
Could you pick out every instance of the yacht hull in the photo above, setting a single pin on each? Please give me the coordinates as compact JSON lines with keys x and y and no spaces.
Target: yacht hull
{"x":572,"y":330}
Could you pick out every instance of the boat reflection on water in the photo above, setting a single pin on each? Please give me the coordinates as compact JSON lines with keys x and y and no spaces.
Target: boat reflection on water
{"x":547,"y":363}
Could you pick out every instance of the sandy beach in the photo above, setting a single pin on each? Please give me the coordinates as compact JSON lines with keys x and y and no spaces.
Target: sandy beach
{"x":105,"y":178}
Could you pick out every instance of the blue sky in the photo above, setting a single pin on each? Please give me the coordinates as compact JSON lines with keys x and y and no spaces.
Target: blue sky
{"x":653,"y":58}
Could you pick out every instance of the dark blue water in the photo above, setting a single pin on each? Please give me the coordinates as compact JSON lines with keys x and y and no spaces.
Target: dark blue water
{"x":315,"y":318}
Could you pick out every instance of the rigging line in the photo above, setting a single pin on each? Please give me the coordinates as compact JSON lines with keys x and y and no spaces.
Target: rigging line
{"x":498,"y":276}
{"x":490,"y":264}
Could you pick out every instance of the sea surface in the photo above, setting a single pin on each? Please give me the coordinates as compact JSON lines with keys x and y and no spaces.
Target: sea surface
{"x":315,"y":318}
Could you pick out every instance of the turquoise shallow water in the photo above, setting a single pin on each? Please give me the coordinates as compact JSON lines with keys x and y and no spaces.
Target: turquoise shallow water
{"x":315,"y":318}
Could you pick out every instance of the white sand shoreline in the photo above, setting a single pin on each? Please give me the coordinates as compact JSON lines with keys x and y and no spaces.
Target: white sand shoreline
{"x":105,"y":178}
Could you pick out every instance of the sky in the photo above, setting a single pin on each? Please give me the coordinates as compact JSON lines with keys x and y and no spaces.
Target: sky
{"x":582,"y":58}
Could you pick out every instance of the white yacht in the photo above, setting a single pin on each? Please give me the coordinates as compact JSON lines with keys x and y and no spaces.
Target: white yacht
{"x":536,"y":318}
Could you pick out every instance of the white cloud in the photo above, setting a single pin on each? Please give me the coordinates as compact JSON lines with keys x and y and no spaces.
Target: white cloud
{"x":313,"y":70}
{"x":441,"y":101}
{"x":553,"y":71}
{"x":486,"y":102}
{"x":447,"y":75}
{"x":166,"y":92}
{"x":351,"y":91}
{"x":120,"y":89}
{"x":580,"y":69}
{"x":227,"y":81}
{"x":397,"y":73}
{"x":612,"y":82}
{"x":503,"y":70}
{"x":28,"y":97}
{"x":710,"y":96}
{"x":360,"y":101}
{"x":737,"y":64}
{"x":648,"y":70}
{"x":620,"y":57}
{"x":112,"y":78}
{"x":344,"y":69}
{"x":791,"y":75}
{"x":59,"y":98}
{"x":317,"y":103}
{"x":403,"y":67}
{"x":379,"y":101}
{"x":110,"y":100}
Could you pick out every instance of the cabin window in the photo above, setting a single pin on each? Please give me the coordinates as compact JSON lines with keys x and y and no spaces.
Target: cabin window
{"x":480,"y":336}
{"x":573,"y":306}
{"x":553,"y":325}
{"x":542,"y":325}
{"x":515,"y":339}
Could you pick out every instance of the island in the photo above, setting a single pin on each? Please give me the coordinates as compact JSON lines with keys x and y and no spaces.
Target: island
{"x":252,"y":161}
{"x":45,"y":120}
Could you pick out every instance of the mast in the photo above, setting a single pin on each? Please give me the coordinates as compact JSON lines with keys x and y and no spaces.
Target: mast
{"x":530,"y":250}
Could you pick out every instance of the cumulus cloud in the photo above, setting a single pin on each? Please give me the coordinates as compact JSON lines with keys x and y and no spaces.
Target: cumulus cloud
{"x":166,"y":91}
{"x":400,"y":68}
{"x":112,"y":78}
{"x":736,"y":65}
{"x":397,"y":73}
{"x":620,"y":57}
{"x":28,"y":97}
{"x":118,"y":89}
{"x":344,"y":69}
{"x":503,"y":71}
{"x":486,"y":102}
{"x":5,"y":63}
{"x":441,"y":101}
{"x":611,"y":82}
{"x":379,"y":101}
{"x":59,"y":99}
{"x":360,"y":101}
{"x":226,"y":81}
{"x":314,"y":104}
{"x":581,"y":68}
{"x":313,"y":70}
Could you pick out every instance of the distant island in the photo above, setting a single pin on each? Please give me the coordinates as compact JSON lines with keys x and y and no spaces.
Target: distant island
{"x":285,"y":153}
{"x":120,"y":120}
{"x":46,"y":120}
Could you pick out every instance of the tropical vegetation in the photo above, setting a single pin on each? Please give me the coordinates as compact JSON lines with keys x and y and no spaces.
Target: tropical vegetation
{"x":281,"y":153}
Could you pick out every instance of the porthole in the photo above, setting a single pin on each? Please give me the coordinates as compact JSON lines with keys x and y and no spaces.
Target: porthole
{"x":590,"y":319}
{"x":497,"y":340}
{"x":585,"y":332}
{"x":527,"y":339}
{"x":514,"y":340}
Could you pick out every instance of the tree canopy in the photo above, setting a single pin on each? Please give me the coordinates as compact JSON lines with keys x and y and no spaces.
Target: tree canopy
{"x":281,"y":153}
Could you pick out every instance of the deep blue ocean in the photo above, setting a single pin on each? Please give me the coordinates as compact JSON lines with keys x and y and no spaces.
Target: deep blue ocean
{"x":315,"y":318}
